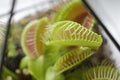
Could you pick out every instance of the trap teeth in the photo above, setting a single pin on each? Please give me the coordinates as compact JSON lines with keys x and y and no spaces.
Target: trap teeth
{"x":69,"y":33}
{"x":27,"y":39}
{"x":89,"y":21}
{"x":72,"y":58}
{"x":39,"y":32}
{"x":32,"y":37}
{"x":75,"y":11}
{"x":101,"y":73}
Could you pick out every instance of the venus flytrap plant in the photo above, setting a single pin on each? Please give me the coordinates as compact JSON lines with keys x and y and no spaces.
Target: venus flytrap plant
{"x":39,"y":32}
{"x":53,"y":51}
{"x":69,"y":33}
{"x":27,"y":40}
{"x":72,"y":59}
{"x":48,"y":48}
{"x":101,"y":73}
{"x":66,"y":33}
{"x":75,"y":11}
{"x":34,"y":48}
{"x":70,"y":11}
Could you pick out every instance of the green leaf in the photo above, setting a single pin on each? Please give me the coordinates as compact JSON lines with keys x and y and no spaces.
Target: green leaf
{"x":70,"y":11}
{"x":75,"y":11}
{"x":27,"y":39}
{"x":24,"y":62}
{"x":7,"y":73}
{"x":12,"y":52}
{"x":72,"y":59}
{"x":69,"y":33}
{"x":51,"y":74}
{"x":102,"y":73}
{"x":39,"y":32}
{"x":36,"y":68}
